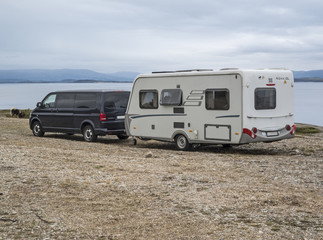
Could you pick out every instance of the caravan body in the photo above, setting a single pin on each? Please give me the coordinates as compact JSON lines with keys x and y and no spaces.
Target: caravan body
{"x":230,"y":106}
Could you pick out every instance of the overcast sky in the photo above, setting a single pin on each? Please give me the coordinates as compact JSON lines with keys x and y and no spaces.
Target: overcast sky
{"x":148,"y":35}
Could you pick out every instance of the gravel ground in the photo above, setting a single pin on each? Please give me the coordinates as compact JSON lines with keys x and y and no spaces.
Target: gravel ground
{"x":60,"y":187}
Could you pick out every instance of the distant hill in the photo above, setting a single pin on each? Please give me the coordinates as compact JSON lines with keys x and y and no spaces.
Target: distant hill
{"x":308,"y":76}
{"x":63,"y":75}
{"x":85,"y":75}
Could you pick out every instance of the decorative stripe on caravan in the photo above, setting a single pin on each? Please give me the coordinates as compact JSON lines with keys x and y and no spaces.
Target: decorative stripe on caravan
{"x":229,"y":116}
{"x":159,"y":115}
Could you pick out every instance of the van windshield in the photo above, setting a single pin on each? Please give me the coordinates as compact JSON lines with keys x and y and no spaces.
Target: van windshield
{"x":116,"y":101}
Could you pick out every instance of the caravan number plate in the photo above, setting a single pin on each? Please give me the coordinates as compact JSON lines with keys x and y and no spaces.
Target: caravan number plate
{"x":272,"y":134}
{"x":120,"y":117}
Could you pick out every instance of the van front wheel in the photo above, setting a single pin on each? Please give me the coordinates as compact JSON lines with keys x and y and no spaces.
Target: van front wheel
{"x":88,"y":134}
{"x":182,"y":143}
{"x":37,"y":129}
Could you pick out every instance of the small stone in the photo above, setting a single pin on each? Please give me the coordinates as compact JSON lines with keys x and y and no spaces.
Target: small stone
{"x":149,"y":155}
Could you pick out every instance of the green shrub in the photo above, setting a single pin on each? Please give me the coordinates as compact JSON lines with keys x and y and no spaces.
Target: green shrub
{"x":306,"y":130}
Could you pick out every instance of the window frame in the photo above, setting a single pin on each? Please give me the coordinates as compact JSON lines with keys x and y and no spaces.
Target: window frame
{"x":154,"y":91}
{"x":256,"y":106}
{"x":217,"y":90}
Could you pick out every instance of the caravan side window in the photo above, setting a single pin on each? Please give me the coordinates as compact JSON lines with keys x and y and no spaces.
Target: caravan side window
{"x":217,"y":99}
{"x":265,"y":98}
{"x":148,"y":99}
{"x":171,"y":97}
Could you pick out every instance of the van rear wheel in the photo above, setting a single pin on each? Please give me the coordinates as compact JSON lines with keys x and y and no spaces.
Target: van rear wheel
{"x":122,"y":136}
{"x":88,"y":134}
{"x":182,"y":143}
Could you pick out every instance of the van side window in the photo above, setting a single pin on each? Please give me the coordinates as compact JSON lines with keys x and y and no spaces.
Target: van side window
{"x":265,"y":98}
{"x":217,"y":99}
{"x":85,"y":100}
{"x":171,"y":97}
{"x":65,"y":100}
{"x":148,"y":99}
{"x":49,"y":102}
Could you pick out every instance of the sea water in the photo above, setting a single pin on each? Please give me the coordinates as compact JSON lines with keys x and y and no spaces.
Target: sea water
{"x":308,"y":96}
{"x":26,"y":95}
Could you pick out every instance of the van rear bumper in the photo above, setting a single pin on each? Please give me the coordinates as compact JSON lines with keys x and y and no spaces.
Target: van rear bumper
{"x":105,"y":131}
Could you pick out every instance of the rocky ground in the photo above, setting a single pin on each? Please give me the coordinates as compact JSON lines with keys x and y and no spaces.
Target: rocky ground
{"x":60,"y":187}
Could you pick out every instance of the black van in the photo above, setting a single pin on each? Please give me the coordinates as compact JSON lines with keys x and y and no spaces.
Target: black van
{"x":89,"y":112}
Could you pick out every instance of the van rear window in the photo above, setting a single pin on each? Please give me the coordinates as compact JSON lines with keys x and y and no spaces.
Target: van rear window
{"x":116,"y":100}
{"x":265,"y":98}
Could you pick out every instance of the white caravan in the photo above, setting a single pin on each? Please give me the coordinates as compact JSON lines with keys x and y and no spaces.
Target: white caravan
{"x":230,"y":106}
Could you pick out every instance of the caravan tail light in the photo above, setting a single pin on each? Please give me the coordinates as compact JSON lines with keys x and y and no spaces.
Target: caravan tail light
{"x":288,"y":127}
{"x":103,"y":117}
{"x":255,"y":130}
{"x":250,"y":133}
{"x":293,"y":130}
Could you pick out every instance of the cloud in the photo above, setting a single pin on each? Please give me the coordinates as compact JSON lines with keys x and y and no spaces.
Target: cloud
{"x":142,"y":35}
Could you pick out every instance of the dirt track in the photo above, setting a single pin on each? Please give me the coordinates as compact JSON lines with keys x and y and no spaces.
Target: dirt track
{"x":60,"y":187}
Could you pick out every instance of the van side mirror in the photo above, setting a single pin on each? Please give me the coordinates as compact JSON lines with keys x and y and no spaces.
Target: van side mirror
{"x":38,"y":104}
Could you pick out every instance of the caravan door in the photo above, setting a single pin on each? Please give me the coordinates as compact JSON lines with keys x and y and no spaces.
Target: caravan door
{"x":224,"y":107}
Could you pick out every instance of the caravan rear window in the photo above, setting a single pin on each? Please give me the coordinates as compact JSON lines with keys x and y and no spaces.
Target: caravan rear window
{"x":148,"y":99}
{"x":217,"y":99}
{"x":171,"y":97}
{"x":265,"y":98}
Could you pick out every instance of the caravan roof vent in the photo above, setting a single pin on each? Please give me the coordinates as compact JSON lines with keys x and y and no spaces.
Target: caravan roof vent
{"x":195,"y":70}
{"x":188,"y":70}
{"x":163,"y":72}
{"x":223,"y":69}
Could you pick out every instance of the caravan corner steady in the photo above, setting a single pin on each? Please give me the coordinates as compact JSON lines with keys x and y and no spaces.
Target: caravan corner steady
{"x":230,"y":106}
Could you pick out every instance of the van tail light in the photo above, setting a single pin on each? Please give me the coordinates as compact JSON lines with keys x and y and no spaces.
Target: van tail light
{"x":250,"y":133}
{"x":288,"y":127}
{"x":103,"y":117}
{"x":293,"y":130}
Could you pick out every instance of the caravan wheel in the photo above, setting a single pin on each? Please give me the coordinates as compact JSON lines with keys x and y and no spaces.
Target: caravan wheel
{"x":182,"y":143}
